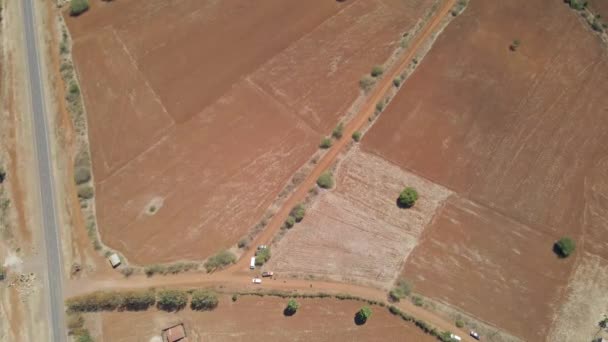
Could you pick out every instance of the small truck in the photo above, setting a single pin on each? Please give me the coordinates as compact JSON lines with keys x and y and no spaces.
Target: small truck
{"x":256,"y":280}
{"x":267,"y":274}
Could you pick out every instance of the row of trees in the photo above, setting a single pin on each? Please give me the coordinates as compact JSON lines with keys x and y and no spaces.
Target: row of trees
{"x":360,"y":317}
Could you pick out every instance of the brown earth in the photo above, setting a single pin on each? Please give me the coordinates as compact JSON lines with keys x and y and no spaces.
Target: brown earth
{"x":522,"y":137}
{"x":356,"y":232}
{"x":171,"y":129}
{"x":252,"y":318}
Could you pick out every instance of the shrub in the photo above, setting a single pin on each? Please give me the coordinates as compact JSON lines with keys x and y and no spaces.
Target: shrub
{"x":172,"y":300}
{"x":139,"y":300}
{"x":263,"y":256}
{"x":180,"y":267}
{"x":356,"y":136}
{"x":325,"y":180}
{"x":564,"y":247}
{"x":596,"y":25}
{"x":417,"y":300}
{"x":86,"y":192}
{"x":363,"y":315}
{"x":367,"y":82}
{"x":127,"y":271}
{"x":203,"y":300}
{"x":459,"y":323}
{"x":75,"y":323}
{"x":397,"y":82}
{"x":2,"y":272}
{"x":401,"y":290}
{"x":408,"y":197}
{"x":235,"y":297}
{"x":244,"y":242}
{"x":338,"y":131}
{"x":2,"y":174}
{"x":82,"y":175}
{"x":290,"y":221}
{"x":96,"y":301}
{"x":377,"y":70}
{"x":379,"y":106}
{"x":325,"y":143}
{"x":151,"y":270}
{"x":220,"y":260}
{"x":77,"y":7}
{"x":292,"y":307}
{"x":298,"y":212}
{"x":514,"y":45}
{"x":577,"y":4}
{"x":85,"y":336}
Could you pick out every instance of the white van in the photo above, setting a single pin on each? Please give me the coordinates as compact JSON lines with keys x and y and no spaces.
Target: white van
{"x":252,"y":263}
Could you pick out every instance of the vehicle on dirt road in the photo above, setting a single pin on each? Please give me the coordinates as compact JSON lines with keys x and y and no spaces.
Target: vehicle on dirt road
{"x":455,"y":337}
{"x":260,"y":247}
{"x":252,"y":263}
{"x":267,"y":274}
{"x":474,"y":335}
{"x":256,"y":280}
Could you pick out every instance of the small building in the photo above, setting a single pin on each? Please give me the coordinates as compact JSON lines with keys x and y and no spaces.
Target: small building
{"x":114,"y":260}
{"x":176,"y":333}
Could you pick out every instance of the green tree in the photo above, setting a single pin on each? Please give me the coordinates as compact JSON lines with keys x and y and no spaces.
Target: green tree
{"x":203,"y":300}
{"x":363,"y":315}
{"x":172,"y":300}
{"x":564,"y":247}
{"x":139,"y":300}
{"x":292,"y":307}
{"x":408,"y":197}
{"x":221,"y":259}
{"x":325,"y":180}
{"x":401,"y":290}
{"x":356,"y":136}
{"x":298,"y":212}
{"x":377,"y":70}
{"x":77,"y":7}
{"x":262,"y":256}
{"x":325,"y":143}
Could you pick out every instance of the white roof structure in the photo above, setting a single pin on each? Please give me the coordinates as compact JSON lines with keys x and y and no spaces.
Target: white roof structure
{"x":114,"y":260}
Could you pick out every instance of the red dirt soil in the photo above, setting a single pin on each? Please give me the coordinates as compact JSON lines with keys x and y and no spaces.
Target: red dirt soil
{"x":253,"y":318}
{"x":524,"y":135}
{"x":185,"y":125}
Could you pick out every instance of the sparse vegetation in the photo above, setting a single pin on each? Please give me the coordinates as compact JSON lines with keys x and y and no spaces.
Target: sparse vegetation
{"x":243,"y":243}
{"x":338,"y":131}
{"x":356,"y":136}
{"x":292,"y":307}
{"x":85,"y":192}
{"x":175,"y":268}
{"x":127,"y":271}
{"x":235,"y":297}
{"x":96,"y":301}
{"x":417,"y":300}
{"x":77,"y":7}
{"x":459,"y":7}
{"x":377,"y":70}
{"x":401,"y":290}
{"x":363,"y":315}
{"x":263,"y":256}
{"x":408,"y":197}
{"x":459,"y":323}
{"x":220,"y":260}
{"x":325,"y":180}
{"x":325,"y":143}
{"x":564,"y":247}
{"x":515,"y":45}
{"x":367,"y":82}
{"x":172,"y":300}
{"x":203,"y":300}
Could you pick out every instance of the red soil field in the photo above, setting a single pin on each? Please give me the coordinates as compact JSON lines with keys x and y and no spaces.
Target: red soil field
{"x":522,"y":136}
{"x":202,"y":110}
{"x":261,"y":319}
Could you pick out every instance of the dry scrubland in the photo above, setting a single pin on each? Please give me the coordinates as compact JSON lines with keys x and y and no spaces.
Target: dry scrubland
{"x":356,"y":232}
{"x":200,"y":111}
{"x":261,"y":319}
{"x":522,"y":138}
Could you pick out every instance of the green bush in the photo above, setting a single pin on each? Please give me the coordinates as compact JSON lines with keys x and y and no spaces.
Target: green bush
{"x":85,"y":336}
{"x":356,"y":136}
{"x":244,"y":242}
{"x":367,"y":82}
{"x":459,"y":323}
{"x":96,"y":301}
{"x":298,"y":212}
{"x":401,"y":290}
{"x":363,"y":315}
{"x":292,"y":307}
{"x":514,"y":45}
{"x":578,"y":5}
{"x":408,"y":197}
{"x":290,"y":221}
{"x":379,"y":106}
{"x":325,"y":180}
{"x":203,"y":300}
{"x":172,"y":300}
{"x":377,"y":70}
{"x":325,"y":143}
{"x":235,"y":297}
{"x":138,"y":300}
{"x":77,"y":7}
{"x":417,"y":300}
{"x":263,"y":256}
{"x":220,"y":260}
{"x":338,"y":131}
{"x":82,"y":175}
{"x":397,"y":82}
{"x":86,"y":192}
{"x":564,"y":247}
{"x":151,"y":270}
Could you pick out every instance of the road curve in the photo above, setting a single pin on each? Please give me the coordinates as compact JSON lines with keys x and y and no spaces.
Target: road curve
{"x":48,"y":220}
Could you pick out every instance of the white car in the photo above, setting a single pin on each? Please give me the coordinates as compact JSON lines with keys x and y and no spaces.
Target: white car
{"x":474,"y":335}
{"x":455,"y":337}
{"x":256,"y":280}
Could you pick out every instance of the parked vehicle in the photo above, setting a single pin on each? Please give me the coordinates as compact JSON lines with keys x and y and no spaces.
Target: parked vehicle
{"x":267,"y":274}
{"x":256,"y":280}
{"x":252,"y":263}
{"x":260,"y":247}
{"x":455,"y":337}
{"x":474,"y":335}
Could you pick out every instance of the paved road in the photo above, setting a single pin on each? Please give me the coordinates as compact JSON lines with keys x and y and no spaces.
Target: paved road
{"x":45,"y":173}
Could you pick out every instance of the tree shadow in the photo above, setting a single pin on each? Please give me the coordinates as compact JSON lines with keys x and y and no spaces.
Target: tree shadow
{"x":558,"y":251}
{"x":288,"y":313}
{"x":401,"y":205}
{"x":359,"y":320}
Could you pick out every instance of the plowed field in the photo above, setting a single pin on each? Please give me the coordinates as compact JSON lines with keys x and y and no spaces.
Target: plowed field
{"x":262,"y":319}
{"x":200,"y":111}
{"x":522,"y":137}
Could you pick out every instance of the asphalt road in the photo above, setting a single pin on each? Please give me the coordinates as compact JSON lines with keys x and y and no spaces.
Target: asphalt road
{"x":46,"y":180}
